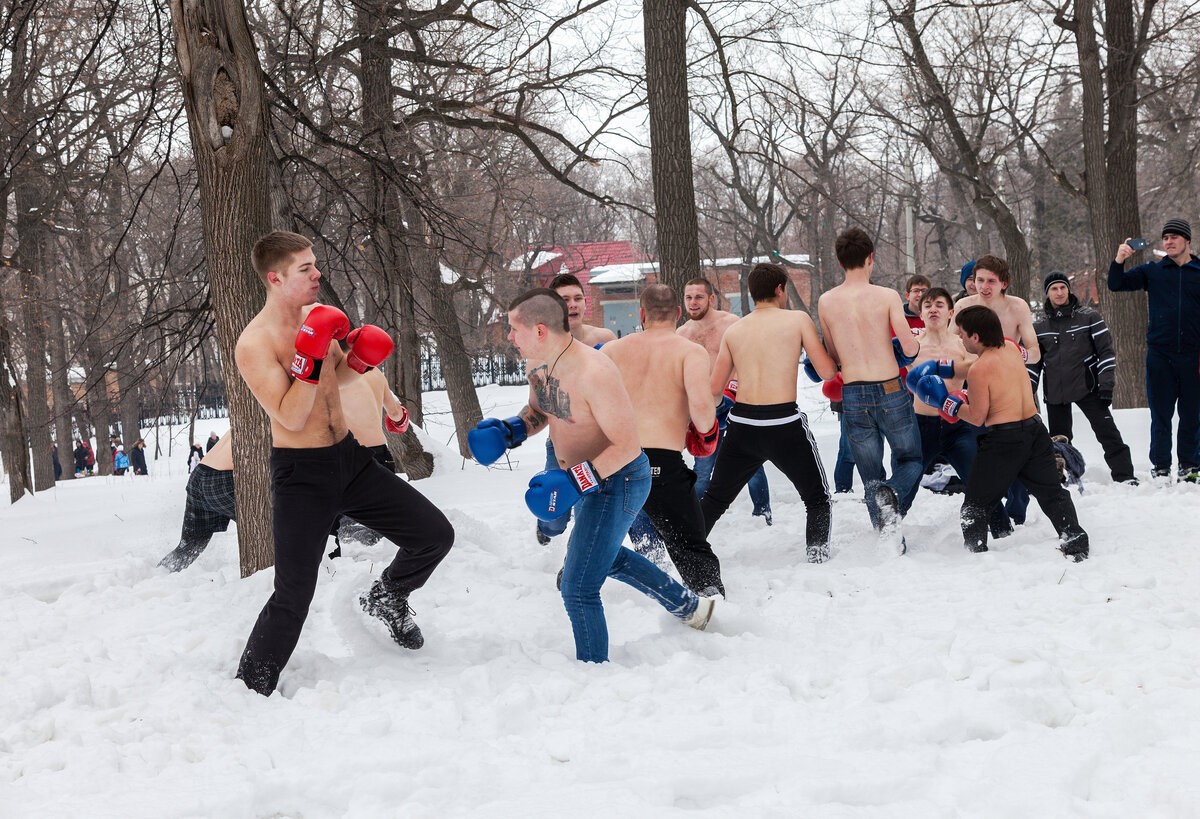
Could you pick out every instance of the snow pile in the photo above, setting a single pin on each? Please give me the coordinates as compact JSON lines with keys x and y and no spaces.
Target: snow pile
{"x":938,"y":684}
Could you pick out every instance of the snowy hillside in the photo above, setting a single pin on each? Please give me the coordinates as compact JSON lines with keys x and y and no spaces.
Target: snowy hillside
{"x":939,"y":684}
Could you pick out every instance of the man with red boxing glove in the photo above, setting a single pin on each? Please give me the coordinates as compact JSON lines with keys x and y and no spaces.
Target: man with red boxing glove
{"x":1016,"y":443}
{"x":289,"y":360}
{"x":602,"y":473}
{"x":666,"y":377}
{"x":764,"y":423}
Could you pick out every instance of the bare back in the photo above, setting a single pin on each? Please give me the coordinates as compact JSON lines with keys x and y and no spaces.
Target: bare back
{"x":708,"y":332}
{"x":858,"y":320}
{"x":220,"y":457}
{"x":264,"y":354}
{"x":587,"y":408}
{"x":765,"y":349}
{"x":1000,"y":375}
{"x":362,"y":406}
{"x":657,"y":367}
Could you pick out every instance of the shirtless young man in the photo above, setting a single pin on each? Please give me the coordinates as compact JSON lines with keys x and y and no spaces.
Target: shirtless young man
{"x":601,"y":471}
{"x":765,"y":425}
{"x":942,"y":353}
{"x":991,"y":282}
{"x":706,"y":325}
{"x":569,"y":287}
{"x":859,"y":320}
{"x":1016,"y":443}
{"x":288,"y":359}
{"x":666,"y":377}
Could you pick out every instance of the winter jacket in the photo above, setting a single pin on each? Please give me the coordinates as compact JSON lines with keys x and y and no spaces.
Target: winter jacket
{"x":137,"y":459}
{"x":120,"y":460}
{"x":1077,"y":353}
{"x":1174,"y":294}
{"x":80,"y":458}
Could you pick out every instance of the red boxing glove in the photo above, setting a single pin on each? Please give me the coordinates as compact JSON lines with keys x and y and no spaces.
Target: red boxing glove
{"x":399,"y":427}
{"x":731,"y":389}
{"x":369,"y":347}
{"x":702,"y":445}
{"x":951,"y":405}
{"x":322,"y":325}
{"x":833,"y":389}
{"x":1023,"y":351}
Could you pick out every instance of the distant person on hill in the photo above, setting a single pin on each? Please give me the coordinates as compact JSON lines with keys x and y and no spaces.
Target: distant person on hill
{"x":137,"y":457}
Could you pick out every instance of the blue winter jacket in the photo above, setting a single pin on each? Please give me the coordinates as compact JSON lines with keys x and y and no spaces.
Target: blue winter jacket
{"x":1174,"y":299}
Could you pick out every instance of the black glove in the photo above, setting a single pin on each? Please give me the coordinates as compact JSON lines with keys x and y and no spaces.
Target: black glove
{"x":1105,"y":397}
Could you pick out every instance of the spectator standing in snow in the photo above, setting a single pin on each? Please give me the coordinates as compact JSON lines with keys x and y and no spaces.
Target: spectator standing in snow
{"x":1079,"y":367}
{"x":54,"y":460}
{"x":81,"y":455}
{"x":1172,"y":345}
{"x":212,"y":441}
{"x":137,"y":457}
{"x":195,"y":455}
{"x":120,"y":461}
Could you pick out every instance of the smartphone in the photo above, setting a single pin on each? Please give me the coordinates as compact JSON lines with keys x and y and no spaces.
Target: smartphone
{"x":1137,"y":244}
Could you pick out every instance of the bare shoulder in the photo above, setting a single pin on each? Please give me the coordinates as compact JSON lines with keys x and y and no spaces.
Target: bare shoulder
{"x":966,"y":301}
{"x":1019,"y":306}
{"x":728,"y":320}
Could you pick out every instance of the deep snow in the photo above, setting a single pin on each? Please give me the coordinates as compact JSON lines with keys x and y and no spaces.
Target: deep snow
{"x":937,"y":684}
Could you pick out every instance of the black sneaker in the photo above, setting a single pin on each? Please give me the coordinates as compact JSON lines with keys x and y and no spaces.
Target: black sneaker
{"x":183,"y":555}
{"x":889,"y":518}
{"x":391,"y":606}
{"x":1160,"y":472}
{"x":542,"y":539}
{"x":1189,"y":473}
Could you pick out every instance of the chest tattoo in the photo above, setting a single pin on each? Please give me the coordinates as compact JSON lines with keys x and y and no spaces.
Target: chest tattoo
{"x":551,"y":397}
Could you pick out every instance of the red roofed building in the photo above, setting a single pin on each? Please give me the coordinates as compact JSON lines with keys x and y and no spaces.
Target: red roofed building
{"x":544,"y":263}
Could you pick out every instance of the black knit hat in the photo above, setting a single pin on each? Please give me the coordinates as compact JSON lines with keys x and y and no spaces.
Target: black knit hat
{"x":1055,"y":276}
{"x":1178,"y":227}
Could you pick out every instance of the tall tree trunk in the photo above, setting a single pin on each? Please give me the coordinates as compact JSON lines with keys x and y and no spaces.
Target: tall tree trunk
{"x":98,"y":403}
{"x":60,"y":387}
{"x":665,"y":27}
{"x":227,"y":120}
{"x":13,"y":448}
{"x":1110,"y":179}
{"x":129,"y":376}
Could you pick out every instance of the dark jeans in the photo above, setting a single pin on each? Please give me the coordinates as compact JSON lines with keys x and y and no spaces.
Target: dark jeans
{"x":777,"y":433}
{"x":309,"y":488}
{"x":760,"y":491}
{"x":843,"y":469}
{"x":1172,"y":378}
{"x":674,"y":510}
{"x":1098,"y":414}
{"x":957,"y":444}
{"x":876,"y":411}
{"x":1022,"y":450}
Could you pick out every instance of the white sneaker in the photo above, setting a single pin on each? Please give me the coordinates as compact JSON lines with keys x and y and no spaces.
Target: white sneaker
{"x":702,"y":614}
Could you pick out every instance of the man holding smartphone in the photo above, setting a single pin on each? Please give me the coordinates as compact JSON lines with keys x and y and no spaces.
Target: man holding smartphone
{"x":1172,"y":344}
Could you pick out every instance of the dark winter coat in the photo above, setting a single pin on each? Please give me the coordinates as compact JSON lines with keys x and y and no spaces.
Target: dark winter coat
{"x":80,"y":458}
{"x":1174,"y":296}
{"x":1077,"y":353}
{"x":137,"y":460}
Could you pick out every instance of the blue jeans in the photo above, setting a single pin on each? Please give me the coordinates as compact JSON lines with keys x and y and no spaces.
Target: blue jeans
{"x":843,"y":470}
{"x":876,"y":411}
{"x":1172,"y":378}
{"x":760,"y":492}
{"x":595,"y":553}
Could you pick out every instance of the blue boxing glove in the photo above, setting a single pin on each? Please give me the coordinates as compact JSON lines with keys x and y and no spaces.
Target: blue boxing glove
{"x":810,"y":371}
{"x":492,"y":436}
{"x":552,"y":493}
{"x":902,"y":359}
{"x":944,"y":368}
{"x":931,"y":389}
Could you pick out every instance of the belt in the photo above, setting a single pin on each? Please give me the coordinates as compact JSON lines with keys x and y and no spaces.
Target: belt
{"x":1031,"y":421}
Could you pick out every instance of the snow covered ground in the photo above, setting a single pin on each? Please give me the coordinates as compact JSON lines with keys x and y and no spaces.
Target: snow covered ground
{"x":938,"y":684}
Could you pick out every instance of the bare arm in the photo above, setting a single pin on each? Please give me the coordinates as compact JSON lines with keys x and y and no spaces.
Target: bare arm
{"x":288,"y":401}
{"x":1028,"y":335}
{"x":826,"y":368}
{"x":535,"y":420}
{"x":722,"y":368}
{"x":908,"y":342}
{"x":695,"y":384}
{"x":829,"y":345}
{"x":610,"y":407}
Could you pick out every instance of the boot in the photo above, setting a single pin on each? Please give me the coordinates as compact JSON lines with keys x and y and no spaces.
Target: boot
{"x":390,"y":605}
{"x":184,"y":554}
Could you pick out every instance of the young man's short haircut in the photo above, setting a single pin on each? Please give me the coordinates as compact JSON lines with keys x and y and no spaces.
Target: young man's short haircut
{"x":764,"y":280}
{"x":702,"y":282}
{"x":565,"y":280}
{"x":937,"y":293}
{"x":852,"y":247}
{"x":660,"y":304}
{"x":541,"y":305}
{"x":275,"y":251}
{"x":918,"y":279}
{"x":983,"y":322}
{"x":994,"y":264}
